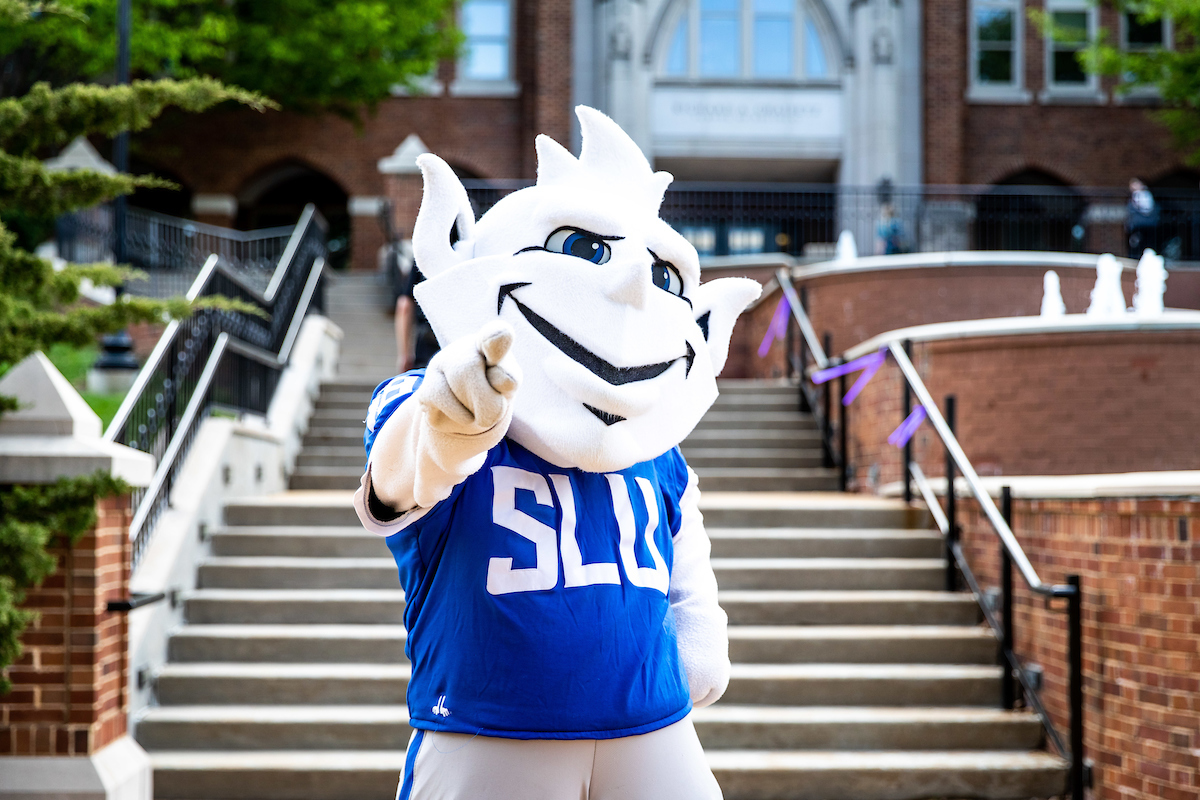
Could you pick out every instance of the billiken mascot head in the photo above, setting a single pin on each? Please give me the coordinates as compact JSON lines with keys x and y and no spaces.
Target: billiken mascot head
{"x":619,"y":342}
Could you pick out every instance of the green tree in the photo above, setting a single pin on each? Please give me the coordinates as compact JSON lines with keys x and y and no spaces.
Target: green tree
{"x":308,"y":55}
{"x":39,"y":306}
{"x":1173,"y":71}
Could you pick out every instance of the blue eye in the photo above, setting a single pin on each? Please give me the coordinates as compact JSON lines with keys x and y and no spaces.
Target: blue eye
{"x":666,"y":277}
{"x":581,"y":244}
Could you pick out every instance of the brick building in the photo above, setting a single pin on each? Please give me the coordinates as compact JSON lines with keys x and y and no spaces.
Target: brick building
{"x":846,"y":94}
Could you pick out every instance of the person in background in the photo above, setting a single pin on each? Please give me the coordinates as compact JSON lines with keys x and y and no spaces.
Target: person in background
{"x":889,"y":233}
{"x":415,"y":341}
{"x":1141,"y":219}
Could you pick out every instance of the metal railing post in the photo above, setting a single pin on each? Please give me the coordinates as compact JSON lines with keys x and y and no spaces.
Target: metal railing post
{"x":907,"y":450}
{"x":843,"y":436}
{"x":951,"y":506}
{"x":827,"y":421}
{"x":803,"y":355}
{"x":1008,"y":688}
{"x":1075,"y":662}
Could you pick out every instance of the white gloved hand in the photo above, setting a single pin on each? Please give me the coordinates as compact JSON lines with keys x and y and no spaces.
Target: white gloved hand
{"x":469,"y":386}
{"x":440,"y":436}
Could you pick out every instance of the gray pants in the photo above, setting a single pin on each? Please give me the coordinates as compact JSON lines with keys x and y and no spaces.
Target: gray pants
{"x":667,"y":764}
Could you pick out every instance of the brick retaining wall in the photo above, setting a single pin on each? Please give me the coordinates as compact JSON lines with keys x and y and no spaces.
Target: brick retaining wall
{"x":1139,"y":563}
{"x":38,"y":717}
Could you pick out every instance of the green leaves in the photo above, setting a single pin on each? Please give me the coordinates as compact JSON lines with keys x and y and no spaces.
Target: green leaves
{"x":1172,"y":72}
{"x":308,"y":55}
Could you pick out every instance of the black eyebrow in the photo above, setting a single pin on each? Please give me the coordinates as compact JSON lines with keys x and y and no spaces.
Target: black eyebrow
{"x":600,"y":236}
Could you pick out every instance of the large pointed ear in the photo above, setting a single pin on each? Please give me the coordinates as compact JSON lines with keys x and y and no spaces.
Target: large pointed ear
{"x":444,"y":206}
{"x":717,"y":305}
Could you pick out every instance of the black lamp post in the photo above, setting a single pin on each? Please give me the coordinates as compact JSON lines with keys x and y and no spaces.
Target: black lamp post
{"x":117,"y":348}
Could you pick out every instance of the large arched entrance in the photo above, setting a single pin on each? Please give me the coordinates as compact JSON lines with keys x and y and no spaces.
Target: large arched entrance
{"x":1030,"y":210}
{"x":278,"y":194}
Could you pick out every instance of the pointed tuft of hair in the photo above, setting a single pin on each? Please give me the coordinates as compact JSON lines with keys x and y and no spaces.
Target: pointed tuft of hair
{"x":556,"y":165}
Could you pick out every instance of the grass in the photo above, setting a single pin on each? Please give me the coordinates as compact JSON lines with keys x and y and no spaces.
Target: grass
{"x":74,"y":363}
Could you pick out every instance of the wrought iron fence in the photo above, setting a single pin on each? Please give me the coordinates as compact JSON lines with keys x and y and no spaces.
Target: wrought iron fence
{"x":171,"y":250}
{"x":216,"y":358}
{"x":805,"y":220}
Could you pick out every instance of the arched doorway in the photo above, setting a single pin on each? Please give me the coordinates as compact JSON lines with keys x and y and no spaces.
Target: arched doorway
{"x":278,"y":194}
{"x":1030,"y":210}
{"x":1178,"y":196}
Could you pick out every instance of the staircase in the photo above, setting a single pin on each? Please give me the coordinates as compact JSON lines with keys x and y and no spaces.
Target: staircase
{"x":854,"y":676}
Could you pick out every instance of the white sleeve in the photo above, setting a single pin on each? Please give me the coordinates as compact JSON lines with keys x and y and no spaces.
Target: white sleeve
{"x":700,"y":623}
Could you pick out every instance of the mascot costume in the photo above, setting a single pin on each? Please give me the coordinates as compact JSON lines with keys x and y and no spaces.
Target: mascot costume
{"x":561,"y":608}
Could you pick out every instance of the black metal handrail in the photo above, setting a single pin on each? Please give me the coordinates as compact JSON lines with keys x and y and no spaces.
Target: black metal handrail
{"x":1011,"y":552}
{"x":216,"y":358}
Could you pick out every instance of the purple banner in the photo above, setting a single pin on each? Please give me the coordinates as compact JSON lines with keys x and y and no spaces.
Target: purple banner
{"x":778,"y":327}
{"x":901,"y":435}
{"x":869,"y":364}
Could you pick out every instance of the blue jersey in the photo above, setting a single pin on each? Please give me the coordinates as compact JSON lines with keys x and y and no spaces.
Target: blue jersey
{"x":537,"y":596}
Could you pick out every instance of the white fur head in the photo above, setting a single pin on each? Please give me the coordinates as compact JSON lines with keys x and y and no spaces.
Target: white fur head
{"x":619,"y":343}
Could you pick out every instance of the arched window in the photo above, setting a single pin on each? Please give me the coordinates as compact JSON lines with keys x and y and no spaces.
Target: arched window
{"x":764,"y":40}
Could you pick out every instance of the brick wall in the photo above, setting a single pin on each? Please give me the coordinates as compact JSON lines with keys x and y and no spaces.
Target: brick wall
{"x":1065,"y":404}
{"x":1085,"y":144}
{"x":44,"y":714}
{"x":1139,"y":563}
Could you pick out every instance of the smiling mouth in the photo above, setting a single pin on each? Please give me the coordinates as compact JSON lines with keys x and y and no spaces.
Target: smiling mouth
{"x":609,"y":373}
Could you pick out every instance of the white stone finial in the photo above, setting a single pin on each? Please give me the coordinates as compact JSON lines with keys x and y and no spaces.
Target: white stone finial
{"x":50,"y":406}
{"x":1151,"y":284}
{"x":847,"y":248}
{"x":403,"y":161}
{"x":1108,"y":299}
{"x":1052,"y":302}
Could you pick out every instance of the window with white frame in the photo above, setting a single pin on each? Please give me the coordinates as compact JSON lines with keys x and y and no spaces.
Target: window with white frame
{"x":1072,"y":24}
{"x":1142,"y":35}
{"x":996,"y":44}
{"x":487,"y":26}
{"x":746,"y":40}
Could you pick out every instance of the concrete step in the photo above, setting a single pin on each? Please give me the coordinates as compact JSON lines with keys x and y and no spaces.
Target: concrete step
{"x":353,"y":456}
{"x":294,"y":508}
{"x":256,"y":727}
{"x":326,"y":477}
{"x":295,"y":607}
{"x":766,"y":479}
{"x":308,"y":727}
{"x":833,"y":684}
{"x":742,"y":438}
{"x":289,"y":643}
{"x":285,"y":572}
{"x":235,"y":683}
{"x":348,"y":385}
{"x":742,"y":774}
{"x":788,"y":401}
{"x":823,"y":543}
{"x":300,"y":542}
{"x":808,"y":510}
{"x":861,"y":644}
{"x":343,"y":399}
{"x":719,"y":419}
{"x":340,"y":437}
{"x":885,"y":775}
{"x":277,"y":774}
{"x":751,"y":386}
{"x":828,"y":573}
{"x":724,"y":726}
{"x":864,"y":607}
{"x":751,"y":457}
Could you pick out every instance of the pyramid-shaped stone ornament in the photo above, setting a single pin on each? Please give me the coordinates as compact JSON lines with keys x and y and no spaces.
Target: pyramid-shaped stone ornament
{"x":50,"y":406}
